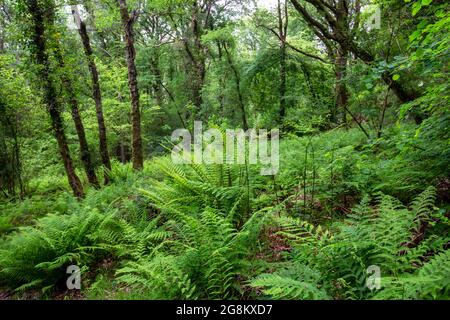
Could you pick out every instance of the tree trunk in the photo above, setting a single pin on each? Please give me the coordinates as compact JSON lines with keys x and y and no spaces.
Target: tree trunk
{"x":282,"y":89}
{"x":18,"y":162}
{"x":50,"y":97}
{"x":196,"y":67}
{"x":7,"y":159}
{"x":127,"y":22}
{"x":85,"y":153}
{"x":238,"y":88}
{"x":156,"y":83}
{"x":283,"y":21}
{"x":123,"y":158}
{"x":338,"y":115}
{"x":336,"y":30}
{"x":2,"y":27}
{"x":199,"y":64}
{"x":96,"y":93}
{"x":16,"y":155}
{"x":2,"y":40}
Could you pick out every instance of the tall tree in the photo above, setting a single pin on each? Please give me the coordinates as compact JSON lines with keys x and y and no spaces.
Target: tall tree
{"x":196,"y":52}
{"x":127,"y":23}
{"x":10,"y":160}
{"x":10,"y":156}
{"x":96,"y":92}
{"x":340,"y":62}
{"x":278,"y":26}
{"x":3,"y":18}
{"x":157,"y":34}
{"x":190,"y":21}
{"x":38,"y":10}
{"x":283,"y":22}
{"x":237,"y":79}
{"x":85,"y":153}
{"x":189,"y":28}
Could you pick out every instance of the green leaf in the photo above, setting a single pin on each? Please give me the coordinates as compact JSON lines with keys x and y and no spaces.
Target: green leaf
{"x":396,"y":77}
{"x":414,"y":35}
{"x":416,"y":8}
{"x":369,"y":85}
{"x":426,"y":2}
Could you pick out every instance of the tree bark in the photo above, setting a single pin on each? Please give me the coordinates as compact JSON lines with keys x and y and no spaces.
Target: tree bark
{"x":283,"y":77}
{"x":282,"y":32}
{"x":342,"y":95}
{"x":238,"y":88}
{"x":85,"y":153}
{"x":2,"y":40}
{"x":17,"y":159}
{"x":156,"y":83}
{"x":96,"y":93}
{"x":50,"y":99}
{"x":199,"y":59}
{"x":10,"y":159}
{"x":127,"y":22}
{"x":123,"y":158}
{"x":195,"y":52}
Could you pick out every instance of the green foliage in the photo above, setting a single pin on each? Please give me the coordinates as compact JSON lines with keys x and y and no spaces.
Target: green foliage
{"x":70,"y":233}
{"x":364,"y":150}
{"x":297,"y":283}
{"x":205,"y":259}
{"x":37,"y":256}
{"x":191,"y":248}
{"x":430,"y":281}
{"x":15,"y":215}
{"x":191,"y":189}
{"x":323,"y":263}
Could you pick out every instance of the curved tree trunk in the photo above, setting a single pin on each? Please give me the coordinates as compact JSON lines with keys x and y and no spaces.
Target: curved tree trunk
{"x":333,"y":28}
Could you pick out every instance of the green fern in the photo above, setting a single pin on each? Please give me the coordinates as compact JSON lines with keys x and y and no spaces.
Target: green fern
{"x":383,"y":235}
{"x":300,"y":282}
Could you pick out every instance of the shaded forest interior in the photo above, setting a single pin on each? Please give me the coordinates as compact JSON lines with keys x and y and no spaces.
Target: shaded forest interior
{"x":91,"y":92}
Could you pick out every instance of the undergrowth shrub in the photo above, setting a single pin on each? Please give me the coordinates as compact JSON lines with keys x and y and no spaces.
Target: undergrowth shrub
{"x":205,"y":259}
{"x":226,"y":232}
{"x":404,"y":243}
{"x":37,"y":257}
{"x":15,"y":214}
{"x":328,"y":174}
{"x":190,"y":189}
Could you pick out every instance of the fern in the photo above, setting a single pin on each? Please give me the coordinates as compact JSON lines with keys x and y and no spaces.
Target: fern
{"x":191,"y":189}
{"x":207,"y":252}
{"x":431,"y":281}
{"x":36,"y":256}
{"x":290,"y":287}
{"x":383,"y":235}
